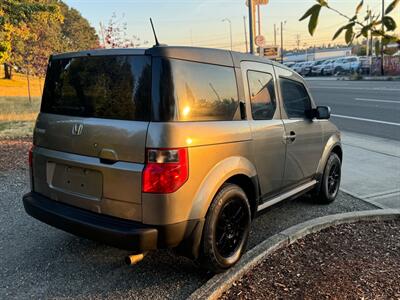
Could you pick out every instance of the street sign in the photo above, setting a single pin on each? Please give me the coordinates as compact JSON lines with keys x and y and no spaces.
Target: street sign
{"x":271,"y":52}
{"x":258,"y":2}
{"x":260,"y":40}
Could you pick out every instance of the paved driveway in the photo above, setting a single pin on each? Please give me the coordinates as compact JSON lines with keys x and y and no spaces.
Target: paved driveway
{"x":42,"y":262}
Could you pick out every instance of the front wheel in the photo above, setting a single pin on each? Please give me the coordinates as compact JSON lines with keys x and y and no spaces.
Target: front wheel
{"x":226,"y":229}
{"x":330,"y":181}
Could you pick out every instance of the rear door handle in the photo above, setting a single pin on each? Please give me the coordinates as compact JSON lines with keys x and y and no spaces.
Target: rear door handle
{"x":290,"y":138}
{"x":108,"y":156}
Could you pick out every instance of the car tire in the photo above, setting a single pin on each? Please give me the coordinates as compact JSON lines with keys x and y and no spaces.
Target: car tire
{"x":226,"y":229}
{"x":330,"y":181}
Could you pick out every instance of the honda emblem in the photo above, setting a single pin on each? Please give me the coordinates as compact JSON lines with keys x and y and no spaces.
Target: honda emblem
{"x":77,"y":129}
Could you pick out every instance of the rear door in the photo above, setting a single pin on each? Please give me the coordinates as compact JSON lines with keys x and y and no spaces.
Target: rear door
{"x":90,"y":135}
{"x":303,"y":136}
{"x":266,"y":125}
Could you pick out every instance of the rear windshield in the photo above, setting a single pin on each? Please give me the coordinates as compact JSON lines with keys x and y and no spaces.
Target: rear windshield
{"x":111,"y":87}
{"x":192,"y":91}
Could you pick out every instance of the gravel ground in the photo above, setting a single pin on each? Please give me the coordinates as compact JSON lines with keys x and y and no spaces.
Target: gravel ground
{"x":39,"y":261}
{"x":14,"y":153}
{"x":350,"y":261}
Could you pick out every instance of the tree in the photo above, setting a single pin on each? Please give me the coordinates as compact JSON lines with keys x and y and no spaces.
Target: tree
{"x":115,"y":35}
{"x":76,"y":32}
{"x":356,"y":26}
{"x":14,"y":15}
{"x":31,"y":30}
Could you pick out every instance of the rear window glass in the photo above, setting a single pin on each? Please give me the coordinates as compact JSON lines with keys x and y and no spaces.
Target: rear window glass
{"x":111,"y":87}
{"x":191,"y":91}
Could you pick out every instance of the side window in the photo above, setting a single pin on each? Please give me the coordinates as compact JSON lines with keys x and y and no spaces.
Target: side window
{"x":192,"y":91}
{"x":295,"y":98}
{"x":262,"y":95}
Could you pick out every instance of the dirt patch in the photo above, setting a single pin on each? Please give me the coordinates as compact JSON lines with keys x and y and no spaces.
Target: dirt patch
{"x":14,"y":153}
{"x":351,"y":261}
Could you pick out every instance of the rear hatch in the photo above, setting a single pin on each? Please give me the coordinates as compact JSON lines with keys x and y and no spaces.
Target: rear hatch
{"x":90,"y":135}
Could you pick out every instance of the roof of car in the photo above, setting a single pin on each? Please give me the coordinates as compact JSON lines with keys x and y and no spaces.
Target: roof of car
{"x":198,"y":54}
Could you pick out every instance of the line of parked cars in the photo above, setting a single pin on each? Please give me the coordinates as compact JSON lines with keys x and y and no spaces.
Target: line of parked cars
{"x":337,"y":66}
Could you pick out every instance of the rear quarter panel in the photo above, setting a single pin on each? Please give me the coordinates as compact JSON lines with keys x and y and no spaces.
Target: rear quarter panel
{"x":217,"y":151}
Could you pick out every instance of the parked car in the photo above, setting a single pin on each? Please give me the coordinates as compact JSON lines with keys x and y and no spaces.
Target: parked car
{"x":175,"y":147}
{"x":347,"y":65}
{"x":316,"y":68}
{"x":298,"y":67}
{"x":306,"y":68}
{"x":289,"y":64}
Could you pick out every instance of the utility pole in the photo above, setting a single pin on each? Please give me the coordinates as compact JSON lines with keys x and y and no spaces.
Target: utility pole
{"x":367,"y":46}
{"x":281,"y":42}
{"x":259,"y":19}
{"x":383,"y":32}
{"x":251,"y":27}
{"x":298,"y":41}
{"x":275,"y":35}
{"x":245,"y":34}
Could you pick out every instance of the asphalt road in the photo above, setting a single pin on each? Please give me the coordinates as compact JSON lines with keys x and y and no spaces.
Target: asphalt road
{"x":38,"y":261}
{"x":368,"y":107}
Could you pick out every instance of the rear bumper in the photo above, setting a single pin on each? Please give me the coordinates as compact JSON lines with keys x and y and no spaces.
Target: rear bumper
{"x":113,"y":231}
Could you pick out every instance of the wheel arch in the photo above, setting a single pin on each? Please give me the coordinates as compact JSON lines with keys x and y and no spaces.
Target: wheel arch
{"x":237,"y":170}
{"x":332,"y":145}
{"x":251,"y":188}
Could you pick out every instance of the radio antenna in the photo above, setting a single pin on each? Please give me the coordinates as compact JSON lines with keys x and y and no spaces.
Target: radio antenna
{"x":154,"y":32}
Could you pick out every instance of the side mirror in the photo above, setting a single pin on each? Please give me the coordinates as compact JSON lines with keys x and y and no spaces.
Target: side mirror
{"x":323,"y":112}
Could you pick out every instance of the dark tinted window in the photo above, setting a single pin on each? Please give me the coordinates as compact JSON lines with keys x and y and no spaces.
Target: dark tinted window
{"x":262,"y":95}
{"x":295,"y":98}
{"x":191,"y":91}
{"x":112,"y":87}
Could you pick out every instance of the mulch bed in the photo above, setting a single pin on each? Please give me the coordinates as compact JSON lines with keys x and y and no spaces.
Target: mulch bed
{"x":14,"y":153}
{"x":350,"y":261}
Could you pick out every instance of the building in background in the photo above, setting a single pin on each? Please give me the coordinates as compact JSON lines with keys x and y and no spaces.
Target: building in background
{"x":318,"y":54}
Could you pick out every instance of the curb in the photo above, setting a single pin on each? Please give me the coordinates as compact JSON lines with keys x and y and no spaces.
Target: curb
{"x":219,"y":283}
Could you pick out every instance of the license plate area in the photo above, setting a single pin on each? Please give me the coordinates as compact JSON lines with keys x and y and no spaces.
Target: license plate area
{"x":79,"y":181}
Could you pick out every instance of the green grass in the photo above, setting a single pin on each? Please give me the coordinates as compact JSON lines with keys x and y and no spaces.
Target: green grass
{"x":15,"y":129}
{"x":17,"y":116}
{"x":18,"y":106}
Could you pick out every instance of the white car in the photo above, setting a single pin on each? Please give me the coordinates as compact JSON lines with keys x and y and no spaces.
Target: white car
{"x":307,"y":66}
{"x":324,"y":68}
{"x":316,"y":68}
{"x":298,"y":67}
{"x":350,"y":64}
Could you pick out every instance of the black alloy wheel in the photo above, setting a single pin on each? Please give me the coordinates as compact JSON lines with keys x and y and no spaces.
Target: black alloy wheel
{"x":226,"y":229}
{"x":231,"y":227}
{"x":328,"y":189}
{"x":334,"y":179}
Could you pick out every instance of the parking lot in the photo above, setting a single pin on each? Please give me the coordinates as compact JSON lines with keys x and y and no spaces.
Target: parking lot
{"x":43,"y":262}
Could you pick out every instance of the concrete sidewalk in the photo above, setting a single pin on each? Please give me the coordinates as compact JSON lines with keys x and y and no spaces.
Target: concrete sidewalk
{"x":371,"y":169}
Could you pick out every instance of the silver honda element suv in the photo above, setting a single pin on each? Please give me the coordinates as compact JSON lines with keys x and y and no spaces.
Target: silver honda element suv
{"x":176,"y":147}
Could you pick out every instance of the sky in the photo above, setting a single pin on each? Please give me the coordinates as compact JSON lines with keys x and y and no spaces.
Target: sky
{"x":199,"y":22}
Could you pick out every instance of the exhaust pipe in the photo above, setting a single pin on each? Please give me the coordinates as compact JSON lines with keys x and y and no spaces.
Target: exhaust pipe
{"x":134,"y":259}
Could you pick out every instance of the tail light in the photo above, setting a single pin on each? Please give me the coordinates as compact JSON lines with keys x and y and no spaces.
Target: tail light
{"x":166,"y":170}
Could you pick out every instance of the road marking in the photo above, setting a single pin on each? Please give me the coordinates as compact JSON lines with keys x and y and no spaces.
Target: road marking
{"x":377,"y":100}
{"x":354,"y":88}
{"x":366,"y":120}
